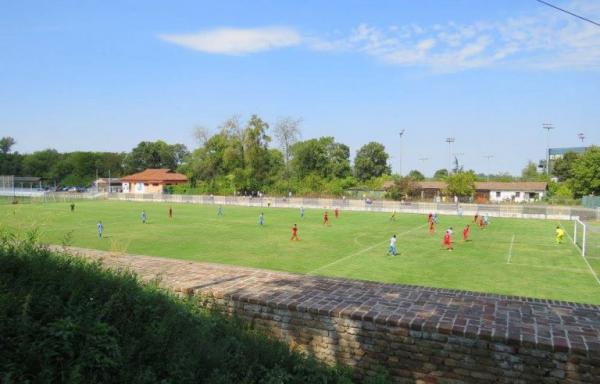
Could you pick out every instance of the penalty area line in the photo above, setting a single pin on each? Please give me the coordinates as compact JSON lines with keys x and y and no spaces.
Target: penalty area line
{"x":361,"y":251}
{"x":512,"y":242}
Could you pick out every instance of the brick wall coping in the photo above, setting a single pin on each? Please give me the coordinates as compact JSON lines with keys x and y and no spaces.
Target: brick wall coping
{"x":549,"y":325}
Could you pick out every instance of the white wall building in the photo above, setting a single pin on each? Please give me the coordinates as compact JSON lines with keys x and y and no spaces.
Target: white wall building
{"x":517,"y":192}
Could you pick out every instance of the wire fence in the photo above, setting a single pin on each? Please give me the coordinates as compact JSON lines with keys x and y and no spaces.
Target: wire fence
{"x":494,"y":210}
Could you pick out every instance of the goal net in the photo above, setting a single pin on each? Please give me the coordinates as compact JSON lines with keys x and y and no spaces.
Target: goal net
{"x":7,"y":184}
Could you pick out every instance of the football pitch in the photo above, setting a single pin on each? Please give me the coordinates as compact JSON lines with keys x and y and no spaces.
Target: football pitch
{"x":511,"y":256}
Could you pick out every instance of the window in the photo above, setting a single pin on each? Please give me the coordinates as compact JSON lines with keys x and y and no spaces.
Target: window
{"x":498,"y":194}
{"x":517,"y":194}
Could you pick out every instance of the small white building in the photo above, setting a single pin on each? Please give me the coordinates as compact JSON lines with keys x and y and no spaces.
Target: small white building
{"x":517,"y":192}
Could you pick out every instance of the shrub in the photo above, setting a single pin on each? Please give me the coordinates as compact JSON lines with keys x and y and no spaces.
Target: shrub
{"x":66,"y":319}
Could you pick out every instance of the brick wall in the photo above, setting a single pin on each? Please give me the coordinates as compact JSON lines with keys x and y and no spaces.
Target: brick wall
{"x":418,"y":334}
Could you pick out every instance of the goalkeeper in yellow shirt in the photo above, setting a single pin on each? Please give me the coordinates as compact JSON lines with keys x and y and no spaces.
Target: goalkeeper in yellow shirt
{"x":560,"y":234}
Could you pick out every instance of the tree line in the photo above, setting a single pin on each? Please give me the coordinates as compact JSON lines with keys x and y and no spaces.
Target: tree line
{"x":249,"y":156}
{"x":240,"y":157}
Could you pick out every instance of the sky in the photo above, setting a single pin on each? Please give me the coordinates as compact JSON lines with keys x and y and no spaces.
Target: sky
{"x":103,"y":76}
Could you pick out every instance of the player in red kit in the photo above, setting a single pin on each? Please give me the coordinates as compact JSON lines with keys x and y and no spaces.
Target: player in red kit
{"x":431,"y":227}
{"x":475,"y":218}
{"x":481,"y":223}
{"x":295,"y":233}
{"x":466,"y":232}
{"x":429,"y":218}
{"x":337,"y":213}
{"x":325,"y":218}
{"x":447,"y":241}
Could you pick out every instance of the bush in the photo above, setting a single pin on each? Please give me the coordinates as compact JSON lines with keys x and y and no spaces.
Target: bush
{"x":65,"y":319}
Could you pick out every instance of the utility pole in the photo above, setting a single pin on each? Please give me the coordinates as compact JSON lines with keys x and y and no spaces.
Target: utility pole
{"x":581,"y":137}
{"x":400,"y":169}
{"x":548,"y":127}
{"x":450,"y":140}
{"x":488,"y":157}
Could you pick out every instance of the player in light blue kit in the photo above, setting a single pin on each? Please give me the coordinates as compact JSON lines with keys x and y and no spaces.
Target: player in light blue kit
{"x":261,"y":219}
{"x":302,"y":212}
{"x":392,"y":250}
{"x":144,"y":217}
{"x":100,"y":228}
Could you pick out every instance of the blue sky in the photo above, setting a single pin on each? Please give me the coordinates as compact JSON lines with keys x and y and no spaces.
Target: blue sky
{"x":97,"y":75}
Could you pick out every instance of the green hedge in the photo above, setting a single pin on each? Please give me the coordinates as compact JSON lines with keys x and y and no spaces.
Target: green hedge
{"x":65,"y":319}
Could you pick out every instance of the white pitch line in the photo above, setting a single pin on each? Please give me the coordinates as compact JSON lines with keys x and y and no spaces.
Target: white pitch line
{"x":584,"y":259}
{"x":361,"y":251}
{"x":512,"y":241}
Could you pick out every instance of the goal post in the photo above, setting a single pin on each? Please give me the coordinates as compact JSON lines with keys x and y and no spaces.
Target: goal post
{"x":580,"y":236}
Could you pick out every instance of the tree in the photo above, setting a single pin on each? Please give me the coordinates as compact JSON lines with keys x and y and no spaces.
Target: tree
{"x":43,"y":164}
{"x":562,"y":168}
{"x":530,"y":172}
{"x":201,"y":134}
{"x":461,"y":184}
{"x":440,"y":174}
{"x":11,"y":163}
{"x":457,"y":167}
{"x":287,"y":133}
{"x":371,"y":161}
{"x":156,"y":154}
{"x":416,"y":175}
{"x":338,"y":156}
{"x":586,"y":173}
{"x":6,"y":144}
{"x":256,"y":157}
{"x":403,"y":187}
{"x":322,"y":156}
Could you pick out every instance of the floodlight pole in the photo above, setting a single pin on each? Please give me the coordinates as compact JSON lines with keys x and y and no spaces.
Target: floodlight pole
{"x":400,"y":161}
{"x":581,"y":136}
{"x":449,"y":140}
{"x":548,"y":127}
{"x":488,"y":157}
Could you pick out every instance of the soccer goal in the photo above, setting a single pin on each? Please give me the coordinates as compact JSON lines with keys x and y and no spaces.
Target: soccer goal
{"x":580,"y":236}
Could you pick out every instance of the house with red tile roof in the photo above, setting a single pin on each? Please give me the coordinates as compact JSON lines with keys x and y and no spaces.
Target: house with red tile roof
{"x":151,"y":181}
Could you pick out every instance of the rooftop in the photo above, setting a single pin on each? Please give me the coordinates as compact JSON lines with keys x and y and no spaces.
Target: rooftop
{"x":156,"y":175}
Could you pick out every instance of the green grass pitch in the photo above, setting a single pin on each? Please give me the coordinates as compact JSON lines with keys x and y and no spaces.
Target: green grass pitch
{"x":512,"y":256}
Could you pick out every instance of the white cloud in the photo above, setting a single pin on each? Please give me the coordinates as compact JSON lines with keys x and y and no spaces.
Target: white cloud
{"x":545,"y":39}
{"x":236,"y":41}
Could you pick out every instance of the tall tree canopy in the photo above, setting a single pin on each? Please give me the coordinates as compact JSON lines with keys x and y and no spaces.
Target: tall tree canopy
{"x":6,"y":144}
{"x":440,"y":174}
{"x":323,"y":157}
{"x":461,"y":184}
{"x":563,"y":167}
{"x":157,"y":154}
{"x":586,"y":173}
{"x":416,"y":175}
{"x":371,"y":161}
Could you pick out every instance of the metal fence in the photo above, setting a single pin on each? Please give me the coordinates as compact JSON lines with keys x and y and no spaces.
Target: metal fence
{"x":590,"y":201}
{"x":494,"y":210}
